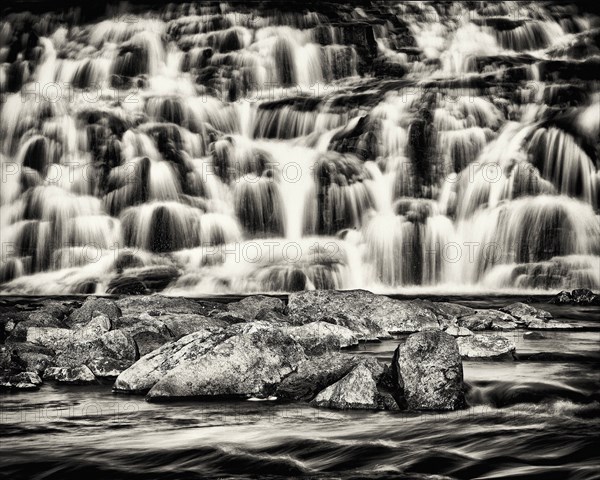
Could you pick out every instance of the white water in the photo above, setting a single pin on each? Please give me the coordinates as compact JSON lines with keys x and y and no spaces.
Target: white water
{"x":249,"y":152}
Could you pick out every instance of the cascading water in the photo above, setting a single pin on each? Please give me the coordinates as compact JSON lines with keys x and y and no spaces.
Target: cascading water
{"x":216,"y":149}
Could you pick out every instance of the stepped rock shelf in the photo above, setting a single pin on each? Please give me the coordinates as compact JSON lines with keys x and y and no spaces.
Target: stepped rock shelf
{"x":170,"y":348}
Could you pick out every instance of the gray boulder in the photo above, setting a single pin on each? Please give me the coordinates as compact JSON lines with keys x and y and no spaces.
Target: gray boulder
{"x":158,"y":305}
{"x":486,"y":347}
{"x":21,"y":381}
{"x":92,"y":307}
{"x":370,"y":316}
{"x":248,"y":364}
{"x":520,"y":310}
{"x":316,"y":373}
{"x":149,"y":369}
{"x":356,"y":390}
{"x":249,"y":307}
{"x":459,"y":331}
{"x":429,"y":373}
{"x":80,"y":375}
{"x":320,"y":337}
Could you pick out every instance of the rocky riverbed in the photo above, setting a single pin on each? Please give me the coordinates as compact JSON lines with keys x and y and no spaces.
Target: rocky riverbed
{"x":261,"y":347}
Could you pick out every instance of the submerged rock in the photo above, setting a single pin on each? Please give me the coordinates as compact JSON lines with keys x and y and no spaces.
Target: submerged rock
{"x":489,"y":347}
{"x":428,"y":371}
{"x":534,"y":336}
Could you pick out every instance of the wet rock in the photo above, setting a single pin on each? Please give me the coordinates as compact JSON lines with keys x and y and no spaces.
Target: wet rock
{"x":161,"y":305}
{"x":184,"y":324}
{"x":459,"y":331}
{"x":21,"y":357}
{"x":119,"y":345}
{"x":537,"y":324}
{"x":21,"y":381}
{"x":562,"y":298}
{"x":488,"y":347}
{"x":50,"y":337}
{"x":106,"y":367}
{"x":80,"y":375}
{"x":356,"y":390}
{"x":134,"y":324}
{"x":584,"y":296}
{"x":520,"y":310}
{"x":96,"y":327}
{"x":92,"y":307}
{"x":320,"y":337}
{"x":316,"y":373}
{"x":488,"y":320}
{"x":248,"y":364}
{"x":150,"y":368}
{"x":18,"y":332}
{"x":450,"y":310}
{"x":428,"y":371}
{"x":147,"y":342}
{"x":534,"y":336}
{"x":370,"y":316}
{"x":249,"y":307}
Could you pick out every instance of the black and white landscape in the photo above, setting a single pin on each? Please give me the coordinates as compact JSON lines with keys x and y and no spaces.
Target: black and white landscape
{"x":310,"y":239}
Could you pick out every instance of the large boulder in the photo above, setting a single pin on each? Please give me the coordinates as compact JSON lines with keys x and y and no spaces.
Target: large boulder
{"x":356,"y":390}
{"x":149,"y":369}
{"x":249,"y":307}
{"x":316,"y":373}
{"x":158,"y":305}
{"x":370,"y":316}
{"x":488,"y":320}
{"x":92,"y":307}
{"x":248,"y":364}
{"x":181,"y":325}
{"x":486,"y":347}
{"x":429,"y":373}
{"x":320,"y":337}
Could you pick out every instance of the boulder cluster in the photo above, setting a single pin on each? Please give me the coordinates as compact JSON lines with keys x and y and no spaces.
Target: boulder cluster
{"x":259,"y":347}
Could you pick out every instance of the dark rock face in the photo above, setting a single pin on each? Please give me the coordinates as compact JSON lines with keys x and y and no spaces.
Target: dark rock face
{"x":429,"y":372}
{"x":581,"y":296}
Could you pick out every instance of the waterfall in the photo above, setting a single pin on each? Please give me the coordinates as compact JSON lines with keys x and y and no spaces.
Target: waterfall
{"x":225,"y":149}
